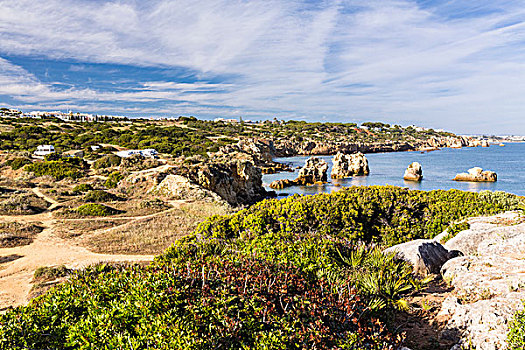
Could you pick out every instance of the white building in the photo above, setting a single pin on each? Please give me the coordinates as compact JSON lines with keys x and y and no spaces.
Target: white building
{"x":44,"y":150}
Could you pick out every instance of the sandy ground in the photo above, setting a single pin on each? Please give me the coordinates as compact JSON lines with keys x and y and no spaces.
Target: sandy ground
{"x":47,"y":249}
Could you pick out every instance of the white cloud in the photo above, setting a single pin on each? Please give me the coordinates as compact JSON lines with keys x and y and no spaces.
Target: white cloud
{"x":454,"y":65}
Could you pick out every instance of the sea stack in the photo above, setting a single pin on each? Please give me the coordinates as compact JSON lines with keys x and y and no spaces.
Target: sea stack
{"x":347,"y":165}
{"x":414,"y":172}
{"x":314,"y":171}
{"x":477,"y":175}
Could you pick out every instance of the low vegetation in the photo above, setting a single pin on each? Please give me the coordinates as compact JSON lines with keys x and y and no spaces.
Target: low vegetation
{"x":302,"y":272}
{"x":18,"y":162}
{"x":14,"y":234}
{"x":22,"y":204}
{"x":516,"y":337}
{"x":95,"y":209}
{"x":113,"y":179}
{"x":62,"y":168}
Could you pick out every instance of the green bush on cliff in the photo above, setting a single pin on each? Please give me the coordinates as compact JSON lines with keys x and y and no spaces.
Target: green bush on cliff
{"x":285,"y":274}
{"x":93,"y":209}
{"x":62,"y":168}
{"x":17,"y":163}
{"x":378,"y":214}
{"x":516,"y":336}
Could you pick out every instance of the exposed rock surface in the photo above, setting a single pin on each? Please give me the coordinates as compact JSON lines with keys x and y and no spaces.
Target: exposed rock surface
{"x":314,"y":171}
{"x":477,"y":175}
{"x":489,"y":281}
{"x":347,"y":165}
{"x":237,"y":182}
{"x":427,"y":256}
{"x":180,"y":187}
{"x":414,"y":172}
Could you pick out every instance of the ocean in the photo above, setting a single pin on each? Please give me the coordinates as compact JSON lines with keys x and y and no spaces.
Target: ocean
{"x":439,"y":168}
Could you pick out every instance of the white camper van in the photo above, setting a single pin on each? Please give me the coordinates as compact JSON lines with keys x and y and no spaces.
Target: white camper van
{"x":44,"y":150}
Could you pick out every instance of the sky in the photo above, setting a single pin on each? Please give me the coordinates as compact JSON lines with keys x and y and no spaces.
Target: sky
{"x":454,"y":65}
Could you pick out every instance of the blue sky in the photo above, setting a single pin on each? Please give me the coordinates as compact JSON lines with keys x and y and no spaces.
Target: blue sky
{"x":457,"y":65}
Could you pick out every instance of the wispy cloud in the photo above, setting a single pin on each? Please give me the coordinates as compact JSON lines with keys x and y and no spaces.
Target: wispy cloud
{"x":453,"y":64}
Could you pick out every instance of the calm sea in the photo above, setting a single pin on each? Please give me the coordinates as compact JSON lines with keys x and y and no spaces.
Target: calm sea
{"x":439,"y":167}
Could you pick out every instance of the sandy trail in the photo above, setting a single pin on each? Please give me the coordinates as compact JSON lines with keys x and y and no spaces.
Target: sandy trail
{"x":47,"y":249}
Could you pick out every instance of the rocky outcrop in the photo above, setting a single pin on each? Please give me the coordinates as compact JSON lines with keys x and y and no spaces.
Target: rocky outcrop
{"x":426,"y":256}
{"x":261,"y":151}
{"x":181,"y":188}
{"x":414,"y":172}
{"x":314,"y":171}
{"x":344,"y":165}
{"x":237,"y":182}
{"x":484,"y":143}
{"x":489,"y":281}
{"x":477,"y":175}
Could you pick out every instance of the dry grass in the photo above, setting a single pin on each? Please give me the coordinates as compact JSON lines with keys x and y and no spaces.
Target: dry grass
{"x":14,"y":234}
{"x":80,"y":229}
{"x":153,"y":235}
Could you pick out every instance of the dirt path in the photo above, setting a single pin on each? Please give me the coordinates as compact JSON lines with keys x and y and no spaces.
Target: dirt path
{"x":47,"y":249}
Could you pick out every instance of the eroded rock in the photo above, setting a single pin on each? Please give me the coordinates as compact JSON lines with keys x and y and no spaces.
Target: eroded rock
{"x":414,"y":172}
{"x":477,"y":175}
{"x":347,"y":165}
{"x":427,"y":256}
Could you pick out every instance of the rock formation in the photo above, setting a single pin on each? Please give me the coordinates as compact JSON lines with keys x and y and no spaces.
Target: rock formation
{"x":179,"y":187}
{"x":344,"y":165}
{"x":314,"y":170}
{"x":484,"y":143}
{"x":477,"y":175}
{"x":489,"y":280}
{"x":427,"y":256}
{"x":413,"y":172}
{"x":237,"y":182}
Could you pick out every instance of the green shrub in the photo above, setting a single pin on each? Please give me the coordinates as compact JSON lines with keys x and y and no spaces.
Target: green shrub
{"x":82,"y":188}
{"x":113,"y":179}
{"x":93,"y":209}
{"x":17,"y":163}
{"x":108,"y":161}
{"x":380,"y":214}
{"x":95,"y":196}
{"x":59,"y":169}
{"x":516,"y":336}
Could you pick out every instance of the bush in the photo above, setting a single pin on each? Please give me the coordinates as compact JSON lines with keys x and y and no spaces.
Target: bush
{"x":375,"y":214}
{"x":82,"y":188}
{"x":59,"y":169}
{"x":108,"y":161}
{"x":17,"y":163}
{"x":113,"y":179}
{"x":92,"y":209}
{"x":516,"y":336}
{"x":95,"y":196}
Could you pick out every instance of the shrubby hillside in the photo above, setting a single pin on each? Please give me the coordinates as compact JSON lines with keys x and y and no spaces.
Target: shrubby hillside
{"x":302,"y":272}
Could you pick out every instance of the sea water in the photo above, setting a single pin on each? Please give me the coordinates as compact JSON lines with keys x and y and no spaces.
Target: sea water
{"x":439,"y":168}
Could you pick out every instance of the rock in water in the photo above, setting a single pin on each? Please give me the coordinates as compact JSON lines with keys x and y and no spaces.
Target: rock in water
{"x":413,"y":172}
{"x":477,"y":175}
{"x":426,"y":256}
{"x":314,"y":170}
{"x":347,"y":165}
